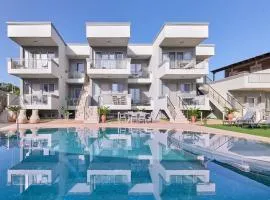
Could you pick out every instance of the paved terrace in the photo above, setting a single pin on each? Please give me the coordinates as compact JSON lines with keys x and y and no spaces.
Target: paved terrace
{"x":61,"y":123}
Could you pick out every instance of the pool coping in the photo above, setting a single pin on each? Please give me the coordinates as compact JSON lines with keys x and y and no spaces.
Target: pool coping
{"x":156,"y":125}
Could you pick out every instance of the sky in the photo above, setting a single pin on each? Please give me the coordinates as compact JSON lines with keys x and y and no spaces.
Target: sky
{"x":239,"y":28}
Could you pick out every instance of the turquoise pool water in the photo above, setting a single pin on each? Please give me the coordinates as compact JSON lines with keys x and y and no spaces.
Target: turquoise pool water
{"x":132,"y":164}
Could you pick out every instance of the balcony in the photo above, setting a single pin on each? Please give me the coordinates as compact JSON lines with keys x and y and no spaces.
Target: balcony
{"x":101,"y":68}
{"x":145,"y":103}
{"x":72,"y":102}
{"x":190,"y":101}
{"x":244,"y":81}
{"x":75,"y":77}
{"x":115,"y":101}
{"x":182,"y":69}
{"x":33,"y":68}
{"x":40,"y":102}
{"x":143,"y":77}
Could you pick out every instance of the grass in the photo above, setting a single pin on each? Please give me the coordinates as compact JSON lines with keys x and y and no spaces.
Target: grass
{"x":252,"y":131}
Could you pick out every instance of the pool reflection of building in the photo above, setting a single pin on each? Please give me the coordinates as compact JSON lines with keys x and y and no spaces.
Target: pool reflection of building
{"x":118,"y":162}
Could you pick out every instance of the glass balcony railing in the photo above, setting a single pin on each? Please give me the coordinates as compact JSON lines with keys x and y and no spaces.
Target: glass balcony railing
{"x":20,"y":63}
{"x":109,"y":64}
{"x":145,"y":101}
{"x":76,"y":75}
{"x":72,"y":101}
{"x":142,"y":74}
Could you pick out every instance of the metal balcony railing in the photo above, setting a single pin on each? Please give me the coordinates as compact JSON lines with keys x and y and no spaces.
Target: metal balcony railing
{"x":113,"y":99}
{"x":37,"y":99}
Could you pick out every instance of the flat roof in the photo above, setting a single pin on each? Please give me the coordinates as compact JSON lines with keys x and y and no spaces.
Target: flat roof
{"x":108,"y":23}
{"x":246,"y":61}
{"x":37,"y":23}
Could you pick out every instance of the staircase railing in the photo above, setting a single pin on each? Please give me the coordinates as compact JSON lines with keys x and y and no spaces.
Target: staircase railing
{"x":171,"y":108}
{"x":230,"y":102}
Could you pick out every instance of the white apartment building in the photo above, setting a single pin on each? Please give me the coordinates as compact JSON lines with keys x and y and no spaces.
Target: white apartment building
{"x":162,"y":77}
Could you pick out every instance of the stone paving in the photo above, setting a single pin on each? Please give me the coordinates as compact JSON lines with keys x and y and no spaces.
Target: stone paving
{"x":156,"y":125}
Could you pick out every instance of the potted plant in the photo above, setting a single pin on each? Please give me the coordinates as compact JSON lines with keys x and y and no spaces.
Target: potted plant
{"x":193,"y":113}
{"x":66,"y":114}
{"x":14,"y":113}
{"x":103,"y":111}
{"x":230,"y":113}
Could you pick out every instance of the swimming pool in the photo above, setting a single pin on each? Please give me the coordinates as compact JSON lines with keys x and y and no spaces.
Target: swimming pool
{"x":122,"y":163}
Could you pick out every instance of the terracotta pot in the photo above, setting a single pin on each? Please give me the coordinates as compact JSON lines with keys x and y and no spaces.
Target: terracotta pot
{"x":230,"y":116}
{"x":12,"y":116}
{"x":193,"y":119}
{"x":103,"y":118}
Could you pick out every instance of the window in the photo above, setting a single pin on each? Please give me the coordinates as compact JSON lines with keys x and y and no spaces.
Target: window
{"x":186,"y":87}
{"x":135,"y":95}
{"x":251,"y":101}
{"x":48,"y":87}
{"x":187,"y":55}
{"x":136,"y":69}
{"x":117,"y":88}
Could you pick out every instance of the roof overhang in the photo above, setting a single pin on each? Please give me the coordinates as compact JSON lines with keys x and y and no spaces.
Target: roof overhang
{"x":33,"y":33}
{"x":183,"y":34}
{"x":108,"y":34}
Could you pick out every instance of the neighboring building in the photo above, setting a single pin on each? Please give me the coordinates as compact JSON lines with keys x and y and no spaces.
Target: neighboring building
{"x":247,"y":83}
{"x":109,"y":71}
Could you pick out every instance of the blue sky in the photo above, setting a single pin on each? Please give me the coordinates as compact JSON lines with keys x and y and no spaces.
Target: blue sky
{"x":239,"y":29}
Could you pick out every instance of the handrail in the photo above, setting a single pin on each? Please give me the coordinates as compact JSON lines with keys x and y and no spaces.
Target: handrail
{"x":215,"y":95}
{"x":170,"y":105}
{"x":209,"y":80}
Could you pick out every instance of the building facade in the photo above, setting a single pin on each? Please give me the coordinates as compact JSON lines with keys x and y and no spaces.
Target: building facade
{"x":162,"y":77}
{"x":247,"y":84}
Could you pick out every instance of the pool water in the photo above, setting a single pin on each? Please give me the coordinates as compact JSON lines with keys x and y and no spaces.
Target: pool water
{"x":122,"y":163}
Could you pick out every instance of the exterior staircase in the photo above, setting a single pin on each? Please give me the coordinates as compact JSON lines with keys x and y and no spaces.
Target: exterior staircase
{"x":90,"y":112}
{"x":219,"y":101}
{"x":84,"y":110}
{"x":79,"y":114}
{"x":174,"y":112}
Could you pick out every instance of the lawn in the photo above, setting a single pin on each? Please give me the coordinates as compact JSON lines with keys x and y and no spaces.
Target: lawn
{"x":252,"y":131}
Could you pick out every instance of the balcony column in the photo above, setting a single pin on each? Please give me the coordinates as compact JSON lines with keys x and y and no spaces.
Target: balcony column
{"x":22,"y":117}
{"x":34,"y":117}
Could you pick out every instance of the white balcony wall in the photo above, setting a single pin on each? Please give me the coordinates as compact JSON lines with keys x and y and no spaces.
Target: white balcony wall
{"x":77,"y":50}
{"x":140,"y":51}
{"x":204,"y":51}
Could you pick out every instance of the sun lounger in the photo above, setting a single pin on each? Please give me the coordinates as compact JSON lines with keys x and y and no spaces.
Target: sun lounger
{"x":248,"y":118}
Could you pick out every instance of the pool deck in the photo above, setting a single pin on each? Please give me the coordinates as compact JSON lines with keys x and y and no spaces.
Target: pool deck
{"x":59,"y":123}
